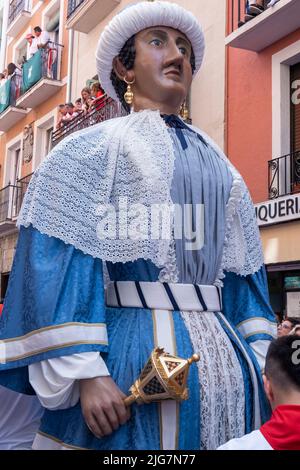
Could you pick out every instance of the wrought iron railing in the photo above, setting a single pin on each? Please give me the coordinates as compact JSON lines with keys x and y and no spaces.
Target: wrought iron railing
{"x":11,"y":199}
{"x":73,"y":5}
{"x":103,"y":109}
{"x":15,"y":8}
{"x":284,"y":175}
{"x":10,"y":92}
{"x":22,"y":186}
{"x":237,"y":10}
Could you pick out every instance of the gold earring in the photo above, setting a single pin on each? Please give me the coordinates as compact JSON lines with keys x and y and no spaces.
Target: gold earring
{"x":128,"y":97}
{"x":184,"y":112}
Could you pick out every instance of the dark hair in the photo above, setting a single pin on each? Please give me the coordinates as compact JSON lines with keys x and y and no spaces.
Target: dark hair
{"x":283,"y":362}
{"x":294,"y":321}
{"x":70,"y":105}
{"x":78,"y":100}
{"x":127,"y":57}
{"x":11,"y":68}
{"x":97,"y":86}
{"x":37,"y":29}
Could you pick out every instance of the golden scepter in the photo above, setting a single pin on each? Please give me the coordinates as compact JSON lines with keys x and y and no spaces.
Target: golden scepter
{"x":164,"y":377}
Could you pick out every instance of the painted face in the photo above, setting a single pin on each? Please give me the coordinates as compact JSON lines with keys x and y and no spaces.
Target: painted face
{"x":284,"y":328}
{"x":162,"y":66}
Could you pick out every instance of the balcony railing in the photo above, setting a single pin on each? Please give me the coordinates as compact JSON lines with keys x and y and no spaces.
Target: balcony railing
{"x":284,"y":175}
{"x":104,"y":109}
{"x":10,"y":92}
{"x":11,"y":199}
{"x":73,"y":5}
{"x":9,"y":113}
{"x":264,"y":29}
{"x":15,"y":8}
{"x":40,"y":76}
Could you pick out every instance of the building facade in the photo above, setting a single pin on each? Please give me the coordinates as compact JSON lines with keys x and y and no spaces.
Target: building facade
{"x":28,"y":110}
{"x":263,"y":133}
{"x":29,"y":107}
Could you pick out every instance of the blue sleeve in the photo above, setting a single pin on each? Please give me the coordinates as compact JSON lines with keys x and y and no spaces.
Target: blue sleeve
{"x":246,"y":305}
{"x":54,"y":304}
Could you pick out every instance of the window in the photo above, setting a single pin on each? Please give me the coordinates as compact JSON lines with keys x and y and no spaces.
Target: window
{"x":295,"y":108}
{"x":48,"y":140}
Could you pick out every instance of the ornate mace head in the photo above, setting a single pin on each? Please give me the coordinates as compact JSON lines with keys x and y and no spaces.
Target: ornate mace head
{"x":164,"y":377}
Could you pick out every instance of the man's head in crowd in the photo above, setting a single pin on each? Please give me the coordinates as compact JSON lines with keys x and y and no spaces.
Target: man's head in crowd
{"x":70,"y":108}
{"x":282,"y":371}
{"x":37,"y":31}
{"x":287,"y":325}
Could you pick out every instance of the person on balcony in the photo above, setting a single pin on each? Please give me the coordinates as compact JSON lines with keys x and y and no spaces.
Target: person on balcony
{"x":189,"y":279}
{"x":32,"y":46}
{"x":86,"y":96}
{"x":15,"y":73}
{"x":42,"y":38}
{"x":42,"y":41}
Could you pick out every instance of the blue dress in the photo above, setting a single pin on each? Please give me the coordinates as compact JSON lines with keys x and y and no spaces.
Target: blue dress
{"x":53,"y":284}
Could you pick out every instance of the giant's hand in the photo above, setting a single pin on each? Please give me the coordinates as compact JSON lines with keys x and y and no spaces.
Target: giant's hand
{"x":102,"y":405}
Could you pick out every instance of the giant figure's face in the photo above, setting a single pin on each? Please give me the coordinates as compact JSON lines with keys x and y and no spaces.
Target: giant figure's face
{"x":162,"y":68}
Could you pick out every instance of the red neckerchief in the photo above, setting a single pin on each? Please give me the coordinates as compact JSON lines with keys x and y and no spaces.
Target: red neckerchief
{"x":283,"y":430}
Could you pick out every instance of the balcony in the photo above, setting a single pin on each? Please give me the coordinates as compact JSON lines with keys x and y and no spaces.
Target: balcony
{"x":84,"y":15}
{"x":104,"y":109}
{"x":265,"y":29}
{"x":11,"y":199}
{"x":40,"y":76}
{"x":10,"y":114}
{"x":19,"y":17}
{"x":284,"y":175}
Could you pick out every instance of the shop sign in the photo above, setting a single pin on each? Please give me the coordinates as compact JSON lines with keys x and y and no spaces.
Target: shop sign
{"x":275,"y":211}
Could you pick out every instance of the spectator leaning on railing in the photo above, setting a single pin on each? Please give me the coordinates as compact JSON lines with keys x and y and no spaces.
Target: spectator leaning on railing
{"x":32,"y":46}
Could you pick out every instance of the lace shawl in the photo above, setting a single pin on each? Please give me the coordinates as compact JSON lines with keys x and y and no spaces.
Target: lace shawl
{"x":79,"y":185}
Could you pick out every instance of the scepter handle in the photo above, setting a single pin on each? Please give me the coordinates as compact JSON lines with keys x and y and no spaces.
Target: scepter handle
{"x":129,"y":400}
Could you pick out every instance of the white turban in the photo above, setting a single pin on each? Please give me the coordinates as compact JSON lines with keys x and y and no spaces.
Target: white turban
{"x":136,"y":18}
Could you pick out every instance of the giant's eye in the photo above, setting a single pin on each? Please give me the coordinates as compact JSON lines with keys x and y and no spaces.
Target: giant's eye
{"x":183,"y":50}
{"x":156,"y":42}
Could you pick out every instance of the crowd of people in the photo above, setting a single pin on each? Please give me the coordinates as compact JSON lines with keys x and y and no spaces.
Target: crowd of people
{"x":37,"y":40}
{"x":91,"y":99}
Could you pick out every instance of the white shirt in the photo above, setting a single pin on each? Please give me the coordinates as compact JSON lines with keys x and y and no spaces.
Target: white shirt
{"x":32,"y":49}
{"x":56,"y":381}
{"x":253,"y":441}
{"x":20,"y":417}
{"x":42,"y":39}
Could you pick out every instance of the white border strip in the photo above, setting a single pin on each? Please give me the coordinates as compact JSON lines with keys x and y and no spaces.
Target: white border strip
{"x":164,"y":334}
{"x":52,"y":338}
{"x":44,"y":442}
{"x":256,"y":326}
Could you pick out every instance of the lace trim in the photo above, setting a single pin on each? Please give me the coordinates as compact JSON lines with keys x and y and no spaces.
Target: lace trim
{"x":222,"y":405}
{"x":78,"y":188}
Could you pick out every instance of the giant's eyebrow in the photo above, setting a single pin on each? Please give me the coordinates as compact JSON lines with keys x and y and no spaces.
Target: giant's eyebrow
{"x":158,"y":32}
